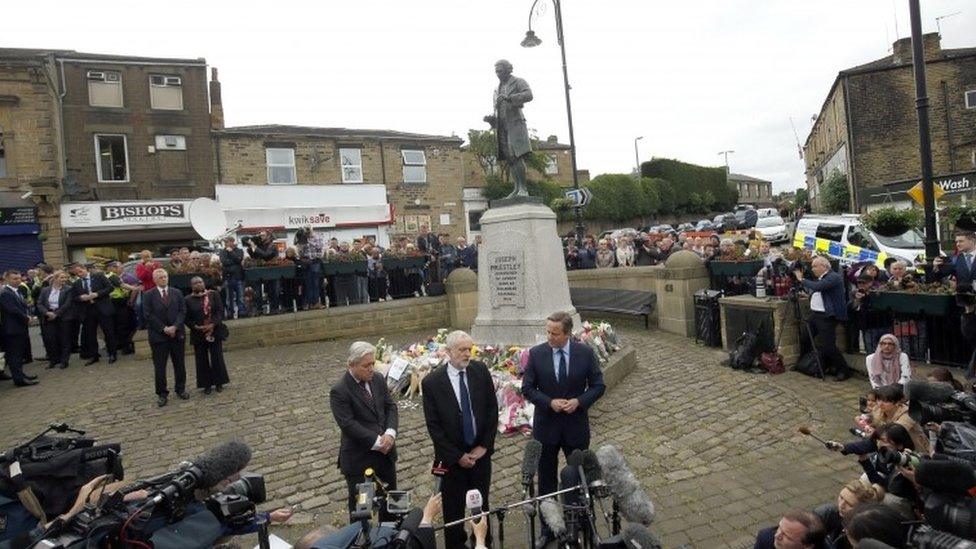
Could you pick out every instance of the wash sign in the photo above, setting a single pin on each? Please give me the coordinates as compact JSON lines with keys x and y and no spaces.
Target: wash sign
{"x":846,"y":253}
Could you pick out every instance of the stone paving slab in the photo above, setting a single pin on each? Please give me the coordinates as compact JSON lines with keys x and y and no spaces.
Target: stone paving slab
{"x":716,"y":449}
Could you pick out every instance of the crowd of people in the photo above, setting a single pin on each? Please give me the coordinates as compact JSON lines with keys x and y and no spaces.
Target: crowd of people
{"x":643,"y":248}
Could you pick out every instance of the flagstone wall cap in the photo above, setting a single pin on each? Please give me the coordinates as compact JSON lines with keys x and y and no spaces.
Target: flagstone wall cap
{"x":683,"y":259}
{"x":462,"y":277}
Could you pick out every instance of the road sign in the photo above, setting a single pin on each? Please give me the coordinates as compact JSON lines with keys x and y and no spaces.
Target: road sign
{"x":916,"y":193}
{"x":579,"y":197}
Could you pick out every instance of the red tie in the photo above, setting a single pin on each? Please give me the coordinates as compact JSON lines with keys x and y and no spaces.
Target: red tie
{"x":165,"y":297}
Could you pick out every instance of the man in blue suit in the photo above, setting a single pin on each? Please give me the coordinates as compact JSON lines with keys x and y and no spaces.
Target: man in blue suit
{"x":562,"y":379}
{"x":963,"y":264}
{"x":15,"y":318}
{"x":827,"y":308}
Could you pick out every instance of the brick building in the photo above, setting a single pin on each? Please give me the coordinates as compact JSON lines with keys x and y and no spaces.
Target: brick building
{"x":124,"y":146}
{"x":421,"y":176}
{"x":752,"y":190}
{"x":867,"y":128}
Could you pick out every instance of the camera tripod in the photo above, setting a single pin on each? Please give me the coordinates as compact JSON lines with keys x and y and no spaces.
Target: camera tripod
{"x":805,"y":328}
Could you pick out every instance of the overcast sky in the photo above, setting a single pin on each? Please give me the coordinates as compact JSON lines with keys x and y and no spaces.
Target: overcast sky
{"x":692,"y":77}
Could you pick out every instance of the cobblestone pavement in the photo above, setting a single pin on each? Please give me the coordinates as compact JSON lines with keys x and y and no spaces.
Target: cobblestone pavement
{"x":717,"y":449}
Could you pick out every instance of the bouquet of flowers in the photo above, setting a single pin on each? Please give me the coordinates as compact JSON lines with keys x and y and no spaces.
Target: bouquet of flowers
{"x":250,"y":262}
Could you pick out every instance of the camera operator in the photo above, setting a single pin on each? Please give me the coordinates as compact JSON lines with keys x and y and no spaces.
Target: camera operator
{"x":263,"y":248}
{"x":872,"y":325}
{"x":232,"y":273}
{"x":827,"y":309}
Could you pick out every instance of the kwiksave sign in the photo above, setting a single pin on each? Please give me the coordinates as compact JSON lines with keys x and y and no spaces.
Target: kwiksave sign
{"x":124,"y":214}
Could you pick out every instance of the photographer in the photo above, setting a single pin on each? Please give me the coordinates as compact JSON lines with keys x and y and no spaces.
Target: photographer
{"x":311,"y":249}
{"x":875,"y":457}
{"x":232,"y":272}
{"x":878,"y":522}
{"x":263,"y":248}
{"x":827,"y":309}
{"x":871,"y":324}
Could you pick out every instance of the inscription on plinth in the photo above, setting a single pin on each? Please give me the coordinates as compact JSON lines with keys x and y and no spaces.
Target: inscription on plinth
{"x":506,"y":278}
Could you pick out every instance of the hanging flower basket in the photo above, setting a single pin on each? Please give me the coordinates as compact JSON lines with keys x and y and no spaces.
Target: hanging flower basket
{"x":892,"y":222}
{"x":962,"y":216}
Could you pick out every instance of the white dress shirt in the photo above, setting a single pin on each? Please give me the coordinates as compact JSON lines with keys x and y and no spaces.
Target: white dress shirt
{"x":454,"y":375}
{"x":816,"y":300}
{"x":555,"y":359}
{"x":54,"y":298}
{"x":391,"y":432}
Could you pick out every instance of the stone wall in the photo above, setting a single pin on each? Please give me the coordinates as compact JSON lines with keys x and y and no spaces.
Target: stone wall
{"x":368,"y":322}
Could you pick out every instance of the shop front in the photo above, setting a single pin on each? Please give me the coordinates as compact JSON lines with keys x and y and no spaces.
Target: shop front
{"x":100,"y":231}
{"x":344,"y":212}
{"x":20,"y":243}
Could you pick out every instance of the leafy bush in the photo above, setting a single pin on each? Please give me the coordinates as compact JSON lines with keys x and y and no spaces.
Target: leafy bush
{"x":835,"y":195}
{"x":892,"y":222}
{"x":683,"y":177}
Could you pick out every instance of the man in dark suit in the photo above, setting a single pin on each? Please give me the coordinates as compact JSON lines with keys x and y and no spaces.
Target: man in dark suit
{"x":15,"y":318}
{"x":563,"y":380}
{"x":827,"y":308}
{"x":368,"y":418}
{"x":165,"y":311}
{"x":55,"y":312}
{"x":462,"y":418}
{"x":964,"y":262}
{"x":94,"y":308}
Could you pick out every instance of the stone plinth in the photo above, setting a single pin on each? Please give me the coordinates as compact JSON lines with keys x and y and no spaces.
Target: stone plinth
{"x":785,"y":326}
{"x":462,"y":298}
{"x":521,"y":275}
{"x":683,"y":274}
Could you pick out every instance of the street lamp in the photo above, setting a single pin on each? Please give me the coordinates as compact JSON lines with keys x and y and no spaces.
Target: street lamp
{"x":637,"y":156}
{"x":531,"y":41}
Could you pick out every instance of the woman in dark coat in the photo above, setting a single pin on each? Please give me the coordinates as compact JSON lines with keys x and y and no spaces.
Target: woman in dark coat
{"x":205,"y":317}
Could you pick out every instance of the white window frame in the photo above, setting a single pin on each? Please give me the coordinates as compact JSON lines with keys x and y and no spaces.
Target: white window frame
{"x":267,"y":161}
{"x":552,"y":166}
{"x":98,"y":159}
{"x":423,"y":164}
{"x":342,"y":167}
{"x":104,"y":78}
{"x":163,"y":143}
{"x":166,"y":84}
{"x":969,"y":97}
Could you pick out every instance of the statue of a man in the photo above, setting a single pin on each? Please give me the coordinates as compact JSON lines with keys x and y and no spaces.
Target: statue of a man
{"x":509,"y":124}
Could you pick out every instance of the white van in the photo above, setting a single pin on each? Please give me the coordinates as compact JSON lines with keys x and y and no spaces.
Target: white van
{"x":844,"y":237}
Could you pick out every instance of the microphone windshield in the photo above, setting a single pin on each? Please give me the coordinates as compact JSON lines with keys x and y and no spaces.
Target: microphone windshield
{"x":410,"y":523}
{"x":473,"y":501}
{"x":575,"y":459}
{"x":638,"y":537}
{"x":946,"y":476}
{"x":221,"y":462}
{"x":530,"y":459}
{"x":591,"y":467}
{"x":931,"y":392}
{"x":552,"y":516}
{"x":635,"y":505}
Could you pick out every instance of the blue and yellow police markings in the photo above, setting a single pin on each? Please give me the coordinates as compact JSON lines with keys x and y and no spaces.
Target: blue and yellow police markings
{"x":847,"y":253}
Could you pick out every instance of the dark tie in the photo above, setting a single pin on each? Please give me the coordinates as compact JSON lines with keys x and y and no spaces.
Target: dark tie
{"x":369,"y":396}
{"x":467,"y":420}
{"x":562,"y":366}
{"x":165,"y":297}
{"x":87,"y":285}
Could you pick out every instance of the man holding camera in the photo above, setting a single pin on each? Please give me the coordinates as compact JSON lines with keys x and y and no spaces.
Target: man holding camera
{"x":827,"y":308}
{"x":263,"y":248}
{"x":367,"y":417}
{"x":232,"y":273}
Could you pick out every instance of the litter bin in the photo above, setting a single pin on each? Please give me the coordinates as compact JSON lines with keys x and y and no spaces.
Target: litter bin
{"x":708,"y":323}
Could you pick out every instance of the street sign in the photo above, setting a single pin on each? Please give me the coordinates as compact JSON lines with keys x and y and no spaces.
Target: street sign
{"x":579,"y":197}
{"x":916,"y":193}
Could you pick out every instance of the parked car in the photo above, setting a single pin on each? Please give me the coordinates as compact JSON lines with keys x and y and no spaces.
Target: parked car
{"x":685,"y":227}
{"x":704,"y":225}
{"x":848,"y":230}
{"x":746,"y":219}
{"x":767,"y":212}
{"x":772,"y":229}
{"x":725,"y":222}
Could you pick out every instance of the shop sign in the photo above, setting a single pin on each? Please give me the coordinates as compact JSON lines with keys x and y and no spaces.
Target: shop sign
{"x":17,"y":216}
{"x":121,"y":214}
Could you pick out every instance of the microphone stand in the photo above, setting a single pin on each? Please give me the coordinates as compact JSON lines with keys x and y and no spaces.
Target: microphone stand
{"x":501,"y":526}
{"x":588,"y":507}
{"x":529,"y":501}
{"x":528,"y":491}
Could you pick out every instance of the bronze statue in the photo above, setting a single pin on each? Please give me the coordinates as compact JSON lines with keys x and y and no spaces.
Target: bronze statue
{"x":509,"y":124}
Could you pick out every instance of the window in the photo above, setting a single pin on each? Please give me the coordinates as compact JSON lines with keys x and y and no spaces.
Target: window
{"x":971,"y":99}
{"x":829,"y":231}
{"x":858,"y":236}
{"x":171,"y":160}
{"x":352,"y":165}
{"x":3,"y":156}
{"x":281,"y":166}
{"x":551,"y":167}
{"x":170,"y":143}
{"x":166,"y":92}
{"x":111,"y":158}
{"x":105,"y":88}
{"x":414,"y":166}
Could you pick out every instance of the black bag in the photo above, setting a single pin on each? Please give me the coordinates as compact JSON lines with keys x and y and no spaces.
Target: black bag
{"x":807,"y":365}
{"x":746,"y":350}
{"x":958,"y":440}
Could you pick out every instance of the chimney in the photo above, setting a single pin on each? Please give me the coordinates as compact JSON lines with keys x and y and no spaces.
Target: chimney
{"x":216,"y":106}
{"x":931,"y":46}
{"x":552,"y":139}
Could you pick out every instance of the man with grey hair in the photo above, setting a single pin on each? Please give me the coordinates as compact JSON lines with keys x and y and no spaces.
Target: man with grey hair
{"x":461,"y":410}
{"x":367,"y":417}
{"x":827,"y":308}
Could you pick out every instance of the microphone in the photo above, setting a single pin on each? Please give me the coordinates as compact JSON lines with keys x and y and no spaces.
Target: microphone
{"x":370,"y":475}
{"x":205,"y":471}
{"x":569,"y":477}
{"x":552,"y":516}
{"x":946,"y":476}
{"x":438,"y":470}
{"x":473,"y":501}
{"x":634,"y":504}
{"x":931,"y":392}
{"x":530,"y":461}
{"x":408,"y":528}
{"x":636,"y":536}
{"x":594,"y":474}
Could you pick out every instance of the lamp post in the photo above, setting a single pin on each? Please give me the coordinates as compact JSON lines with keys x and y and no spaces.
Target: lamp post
{"x":531,"y":41}
{"x":924,"y":141}
{"x":637,"y":157}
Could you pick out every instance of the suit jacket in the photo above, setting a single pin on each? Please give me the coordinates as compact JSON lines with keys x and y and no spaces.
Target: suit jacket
{"x":101,"y":285}
{"x":831,"y":288}
{"x":196,"y":317}
{"x":513,"y":135}
{"x":964,"y":275}
{"x":539,"y":385}
{"x":159,"y":315}
{"x":14,"y":313}
{"x":443,"y":413}
{"x":361,"y":420}
{"x":65,"y":308}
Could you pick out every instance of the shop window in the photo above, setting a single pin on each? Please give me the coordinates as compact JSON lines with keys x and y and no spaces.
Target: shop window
{"x":111,"y":158}
{"x":414,"y":166}
{"x":166,"y":92}
{"x":551,"y":167}
{"x":281,"y":166}
{"x":352,"y":165}
{"x":3,"y":155}
{"x":105,"y":88}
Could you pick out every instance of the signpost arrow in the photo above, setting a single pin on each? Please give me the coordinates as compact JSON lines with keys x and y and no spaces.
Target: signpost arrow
{"x":579,"y":197}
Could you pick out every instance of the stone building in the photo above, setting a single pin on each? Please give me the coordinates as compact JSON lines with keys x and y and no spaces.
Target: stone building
{"x":420,"y":174}
{"x":752,"y":190}
{"x":867,"y":128}
{"x":113,"y":148}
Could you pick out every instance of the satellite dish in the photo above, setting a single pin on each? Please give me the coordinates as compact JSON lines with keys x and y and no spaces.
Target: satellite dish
{"x":207,"y":218}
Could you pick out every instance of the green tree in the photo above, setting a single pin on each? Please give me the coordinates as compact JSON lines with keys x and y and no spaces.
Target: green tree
{"x":835,"y":196}
{"x":685,"y":177}
{"x":801,"y":198}
{"x":482,"y":144}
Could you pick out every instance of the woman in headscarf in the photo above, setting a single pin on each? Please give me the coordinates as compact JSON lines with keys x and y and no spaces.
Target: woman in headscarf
{"x":888,"y":365}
